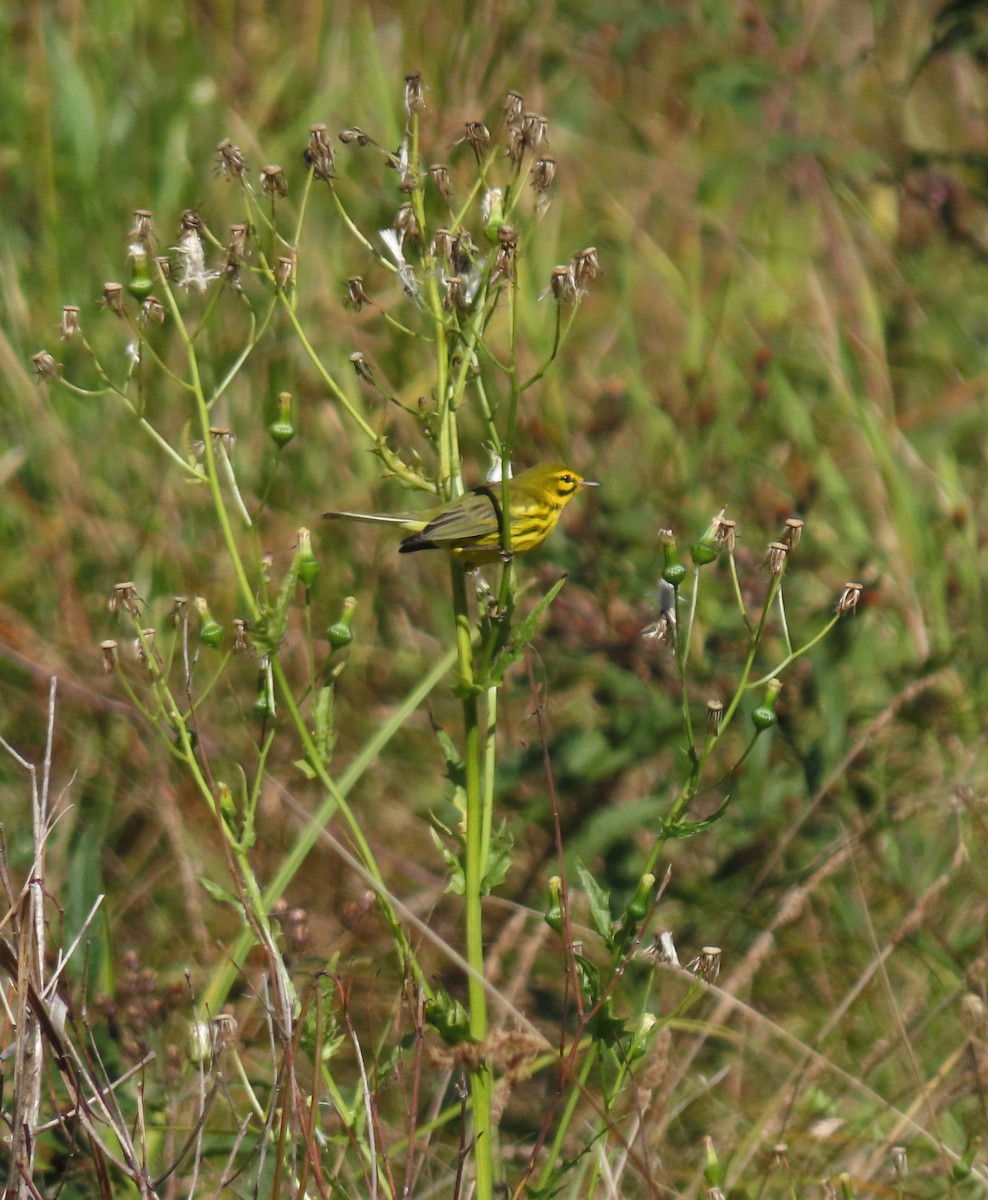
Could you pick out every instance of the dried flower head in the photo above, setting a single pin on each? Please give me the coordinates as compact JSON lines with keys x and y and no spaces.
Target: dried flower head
{"x":108,"y":650}
{"x":706,"y":965}
{"x":406,"y":223}
{"x":543,"y":174}
{"x":273,"y":181}
{"x":223,"y":438}
{"x":152,"y":310}
{"x":240,"y":643}
{"x":361,"y":366}
{"x":535,"y":129}
{"x":164,"y":265}
{"x":318,"y":154}
{"x":514,"y":108}
{"x":455,"y":299}
{"x":477,"y":136}
{"x":414,"y":93}
{"x":190,"y":221}
{"x":442,"y":245}
{"x":356,"y":297}
{"x":356,"y":137}
{"x":725,"y":532}
{"x":231,"y":161}
{"x":45,"y":366}
{"x":191,"y":252}
{"x":504,"y":257}
{"x":775,"y":557}
{"x":112,"y":298}
{"x":792,"y":532}
{"x":70,"y":322}
{"x":236,"y":250}
{"x":125,"y":597}
{"x":849,"y":598}
{"x":464,"y":253}
{"x":143,"y":230}
{"x":144,"y":646}
{"x":439,"y":174}
{"x":562,"y":285}
{"x":586,"y":267}
{"x":662,"y":950}
{"x":284,"y":272}
{"x":715,"y":715}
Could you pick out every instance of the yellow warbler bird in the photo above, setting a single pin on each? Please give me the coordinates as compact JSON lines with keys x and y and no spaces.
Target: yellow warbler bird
{"x":470,"y":526}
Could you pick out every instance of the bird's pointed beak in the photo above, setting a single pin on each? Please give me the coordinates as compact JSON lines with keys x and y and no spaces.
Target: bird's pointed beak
{"x":590,"y":483}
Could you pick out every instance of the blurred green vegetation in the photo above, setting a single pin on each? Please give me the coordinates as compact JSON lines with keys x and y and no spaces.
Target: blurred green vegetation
{"x":791,"y":211}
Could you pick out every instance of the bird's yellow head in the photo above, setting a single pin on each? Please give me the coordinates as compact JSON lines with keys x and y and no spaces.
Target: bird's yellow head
{"x":554,"y":484}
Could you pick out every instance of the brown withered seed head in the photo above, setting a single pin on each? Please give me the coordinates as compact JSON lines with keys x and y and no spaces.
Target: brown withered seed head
{"x":70,"y":322}
{"x":543,"y":174}
{"x":273,"y":181}
{"x":45,"y":366}
{"x":514,"y":108}
{"x":439,"y":174}
{"x":143,"y":229}
{"x":414,"y":93}
{"x":849,"y":598}
{"x":113,"y":298}
{"x":356,"y":297}
{"x":231,"y":161}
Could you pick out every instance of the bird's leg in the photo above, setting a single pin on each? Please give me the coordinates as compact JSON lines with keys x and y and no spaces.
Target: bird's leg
{"x":485,"y":595}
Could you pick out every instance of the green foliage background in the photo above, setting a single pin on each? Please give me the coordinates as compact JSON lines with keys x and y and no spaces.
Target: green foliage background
{"x":789,"y":201}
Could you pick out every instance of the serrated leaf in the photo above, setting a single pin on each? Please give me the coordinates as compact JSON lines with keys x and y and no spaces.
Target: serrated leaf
{"x":457,"y":873}
{"x":521,"y":637}
{"x":600,"y":903}
{"x":498,"y":859}
{"x":685,"y":829}
{"x":219,"y":893}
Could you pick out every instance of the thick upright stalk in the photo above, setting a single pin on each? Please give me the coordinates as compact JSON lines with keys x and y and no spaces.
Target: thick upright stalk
{"x":474,"y":870}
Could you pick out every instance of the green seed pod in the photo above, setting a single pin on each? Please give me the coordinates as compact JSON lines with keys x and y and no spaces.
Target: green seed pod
{"x":308,"y":564}
{"x":554,"y":914}
{"x":140,"y":281}
{"x":338,"y":633}
{"x":673,"y":570}
{"x":764,"y":715}
{"x":713,"y":1172}
{"x":264,"y":706}
{"x":210,"y":630}
{"x":708,"y":547}
{"x":640,"y":902}
{"x":281,"y":430}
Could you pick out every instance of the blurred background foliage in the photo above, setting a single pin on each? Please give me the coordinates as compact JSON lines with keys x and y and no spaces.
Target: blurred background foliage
{"x":789,"y":201}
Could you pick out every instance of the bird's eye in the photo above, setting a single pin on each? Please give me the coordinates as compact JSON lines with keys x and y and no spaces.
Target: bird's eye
{"x":567,"y":478}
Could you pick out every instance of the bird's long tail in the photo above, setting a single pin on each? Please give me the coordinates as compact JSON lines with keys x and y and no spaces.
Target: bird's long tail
{"x":403,"y":522}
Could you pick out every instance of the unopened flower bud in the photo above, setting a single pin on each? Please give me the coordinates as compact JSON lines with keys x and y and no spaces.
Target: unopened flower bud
{"x":764,"y":715}
{"x":210,"y":630}
{"x":641,"y":901}
{"x":339,"y":633}
{"x":308,"y":564}
{"x":140,"y":284}
{"x":281,"y":430}
{"x":673,"y":570}
{"x":554,"y":913}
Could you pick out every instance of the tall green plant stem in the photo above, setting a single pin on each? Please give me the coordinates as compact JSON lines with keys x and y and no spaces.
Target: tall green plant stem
{"x":474,"y":870}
